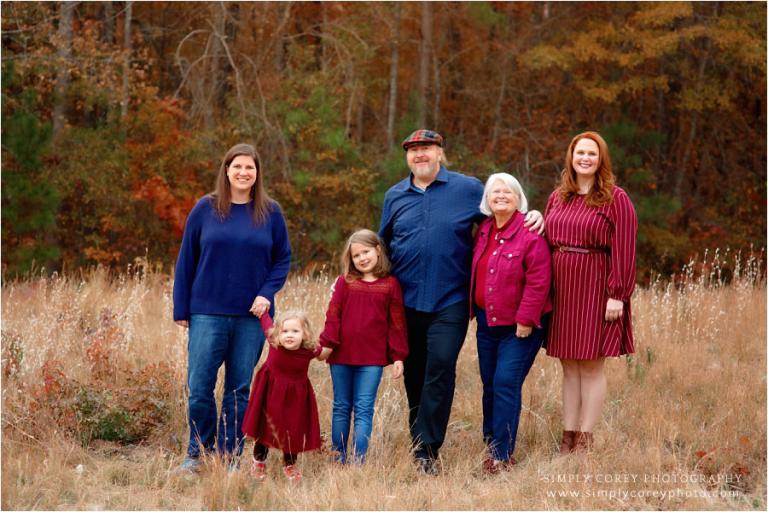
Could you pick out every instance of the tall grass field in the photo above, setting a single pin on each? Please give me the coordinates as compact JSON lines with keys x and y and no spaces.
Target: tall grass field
{"x":94,"y":409}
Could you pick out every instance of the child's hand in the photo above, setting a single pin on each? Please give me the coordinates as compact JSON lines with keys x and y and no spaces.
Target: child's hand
{"x":260,"y":306}
{"x":324,"y":353}
{"x":397,"y":370}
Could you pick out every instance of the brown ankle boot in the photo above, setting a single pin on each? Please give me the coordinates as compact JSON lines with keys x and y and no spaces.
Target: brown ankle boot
{"x":568,"y":442}
{"x":583,"y":442}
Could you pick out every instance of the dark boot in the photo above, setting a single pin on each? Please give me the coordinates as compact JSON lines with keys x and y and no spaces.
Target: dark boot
{"x":568,"y":442}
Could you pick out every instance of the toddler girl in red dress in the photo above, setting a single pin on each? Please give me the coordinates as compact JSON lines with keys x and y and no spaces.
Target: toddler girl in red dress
{"x":282,"y":409}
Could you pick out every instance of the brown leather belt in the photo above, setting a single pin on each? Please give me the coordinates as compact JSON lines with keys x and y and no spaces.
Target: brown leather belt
{"x":580,"y":250}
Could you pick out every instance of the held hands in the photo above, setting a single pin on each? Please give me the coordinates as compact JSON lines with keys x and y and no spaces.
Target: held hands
{"x":614,"y":310}
{"x":324,"y":354}
{"x":260,"y":306}
{"x":397,"y":370}
{"x":182,"y":323}
{"x":523,"y":331}
{"x":534,"y":221}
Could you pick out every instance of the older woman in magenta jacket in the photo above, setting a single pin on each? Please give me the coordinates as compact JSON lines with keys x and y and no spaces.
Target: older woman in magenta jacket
{"x":511,"y":275}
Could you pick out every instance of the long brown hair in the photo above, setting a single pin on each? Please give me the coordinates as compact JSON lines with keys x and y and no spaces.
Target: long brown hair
{"x":222,"y":196}
{"x":601,"y":193}
{"x":367,"y":238}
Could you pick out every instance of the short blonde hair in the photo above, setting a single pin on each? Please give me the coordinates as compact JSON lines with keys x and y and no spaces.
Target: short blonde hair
{"x":509,"y":181}
{"x":367,"y":238}
{"x":307,"y":341}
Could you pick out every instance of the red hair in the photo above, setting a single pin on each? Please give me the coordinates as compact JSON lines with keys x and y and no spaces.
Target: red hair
{"x":601,"y":193}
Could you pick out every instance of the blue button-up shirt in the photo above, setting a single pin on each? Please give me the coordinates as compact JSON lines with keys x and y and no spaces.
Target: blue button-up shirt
{"x":429,"y":237}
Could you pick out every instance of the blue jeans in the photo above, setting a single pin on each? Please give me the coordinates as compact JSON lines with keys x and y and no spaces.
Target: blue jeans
{"x":354,"y":388}
{"x":504,"y":361}
{"x":235,"y":341}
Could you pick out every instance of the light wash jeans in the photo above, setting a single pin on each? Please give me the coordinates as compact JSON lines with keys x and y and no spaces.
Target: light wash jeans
{"x":354,"y":390}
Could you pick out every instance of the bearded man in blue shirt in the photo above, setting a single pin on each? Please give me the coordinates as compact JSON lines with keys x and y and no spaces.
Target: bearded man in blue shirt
{"x":427,"y":224}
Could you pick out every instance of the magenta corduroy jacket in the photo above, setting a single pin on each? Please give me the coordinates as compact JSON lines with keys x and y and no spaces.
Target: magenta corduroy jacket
{"x":519,"y":275}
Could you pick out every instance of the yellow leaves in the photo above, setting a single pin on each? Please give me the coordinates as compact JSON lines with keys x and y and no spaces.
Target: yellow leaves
{"x":659,"y":44}
{"x":588,"y":47}
{"x":746,"y":48}
{"x":609,"y":92}
{"x":661,"y":14}
{"x":330,"y":155}
{"x":709,"y":95}
{"x":545,"y":56}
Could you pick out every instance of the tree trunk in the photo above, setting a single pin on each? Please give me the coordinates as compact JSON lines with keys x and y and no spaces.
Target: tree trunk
{"x":218,"y":25}
{"x":323,"y":44}
{"x":499,"y":104}
{"x":350,"y":107}
{"x":278,"y":57}
{"x":436,"y":100}
{"x":393,"y":71}
{"x":682,"y":170}
{"x":108,"y":13}
{"x":360,"y":115}
{"x":424,"y":52}
{"x":64,"y":53}
{"x":127,"y":49}
{"x":662,"y":124}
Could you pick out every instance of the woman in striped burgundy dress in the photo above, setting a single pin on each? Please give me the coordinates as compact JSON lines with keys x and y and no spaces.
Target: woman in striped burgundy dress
{"x":591,"y":228}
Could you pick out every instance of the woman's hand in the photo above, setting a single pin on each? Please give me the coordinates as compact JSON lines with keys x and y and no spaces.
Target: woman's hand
{"x":324,"y":353}
{"x":614,"y":310}
{"x":397,"y":370}
{"x":260,"y":306}
{"x":534,"y":220}
{"x":523,"y":331}
{"x":182,"y":323}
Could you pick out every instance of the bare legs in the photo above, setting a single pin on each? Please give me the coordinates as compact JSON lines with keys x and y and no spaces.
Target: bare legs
{"x":584,"y":389}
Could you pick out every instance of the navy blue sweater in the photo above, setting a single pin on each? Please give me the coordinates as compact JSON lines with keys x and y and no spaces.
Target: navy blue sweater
{"x":224,"y":265}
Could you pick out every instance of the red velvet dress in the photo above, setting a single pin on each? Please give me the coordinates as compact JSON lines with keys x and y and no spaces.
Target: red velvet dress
{"x":282,"y":409}
{"x":584,"y":281}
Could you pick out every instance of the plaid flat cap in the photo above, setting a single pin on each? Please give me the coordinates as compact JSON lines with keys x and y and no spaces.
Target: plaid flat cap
{"x":424,"y":137}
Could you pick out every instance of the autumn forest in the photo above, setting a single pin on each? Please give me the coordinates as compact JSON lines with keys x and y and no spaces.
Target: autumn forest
{"x":115,"y":115}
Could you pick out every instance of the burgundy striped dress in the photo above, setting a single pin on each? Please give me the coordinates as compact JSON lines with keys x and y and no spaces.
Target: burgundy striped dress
{"x":584,"y":282}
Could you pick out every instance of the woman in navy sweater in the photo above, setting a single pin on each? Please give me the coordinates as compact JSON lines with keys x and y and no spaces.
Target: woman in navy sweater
{"x":234,"y":257}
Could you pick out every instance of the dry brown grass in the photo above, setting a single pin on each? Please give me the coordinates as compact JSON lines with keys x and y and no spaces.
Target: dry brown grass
{"x":690,"y":405}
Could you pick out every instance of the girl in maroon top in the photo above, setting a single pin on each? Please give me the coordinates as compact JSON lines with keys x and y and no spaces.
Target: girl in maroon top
{"x":592,"y":229}
{"x":364,"y":331}
{"x":282,"y":410}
